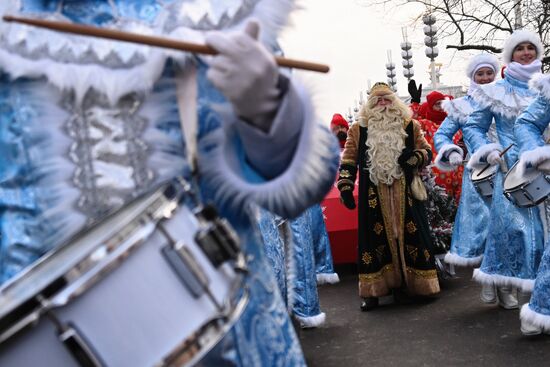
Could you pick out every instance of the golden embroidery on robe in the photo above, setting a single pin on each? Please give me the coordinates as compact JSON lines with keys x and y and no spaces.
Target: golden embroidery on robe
{"x":413,"y":252}
{"x":378,"y":228}
{"x":411,"y":228}
{"x":367,"y":258}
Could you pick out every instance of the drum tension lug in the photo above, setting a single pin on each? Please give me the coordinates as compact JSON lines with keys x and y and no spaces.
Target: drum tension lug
{"x":72,"y":339}
{"x":217,"y":240}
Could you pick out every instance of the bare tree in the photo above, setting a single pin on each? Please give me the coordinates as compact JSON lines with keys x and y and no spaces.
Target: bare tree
{"x":484,"y":24}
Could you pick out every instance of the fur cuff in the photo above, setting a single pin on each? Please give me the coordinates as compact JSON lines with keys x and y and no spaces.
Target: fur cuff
{"x":540,"y":83}
{"x":533,"y":158}
{"x":458,"y":260}
{"x":308,"y":177}
{"x":325,"y":278}
{"x":442,"y":159}
{"x":525,"y":285}
{"x":535,"y":318}
{"x":311,"y":321}
{"x":481,"y":154}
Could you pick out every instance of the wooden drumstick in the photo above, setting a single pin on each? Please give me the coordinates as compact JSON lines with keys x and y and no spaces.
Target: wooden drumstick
{"x":500,"y":155}
{"x":85,"y":30}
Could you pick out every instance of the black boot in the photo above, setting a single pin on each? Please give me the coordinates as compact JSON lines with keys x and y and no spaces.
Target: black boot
{"x":369,"y":303}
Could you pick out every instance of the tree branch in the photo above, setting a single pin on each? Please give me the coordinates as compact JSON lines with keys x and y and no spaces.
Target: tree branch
{"x":476,"y":47}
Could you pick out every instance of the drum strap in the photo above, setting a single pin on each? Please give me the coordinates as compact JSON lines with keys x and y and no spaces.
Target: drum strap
{"x":186,"y":86}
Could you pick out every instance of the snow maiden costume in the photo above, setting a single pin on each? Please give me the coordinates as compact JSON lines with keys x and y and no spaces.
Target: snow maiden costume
{"x":472,"y":217}
{"x":89,"y":124}
{"x":515,"y":237}
{"x":534,"y":152}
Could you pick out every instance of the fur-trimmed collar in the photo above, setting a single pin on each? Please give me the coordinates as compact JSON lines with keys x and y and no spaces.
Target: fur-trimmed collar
{"x":459,"y":109}
{"x":507,"y":97}
{"x":117,"y":68}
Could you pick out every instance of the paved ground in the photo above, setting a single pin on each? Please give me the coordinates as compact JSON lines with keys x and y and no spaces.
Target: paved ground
{"x":455,"y":329}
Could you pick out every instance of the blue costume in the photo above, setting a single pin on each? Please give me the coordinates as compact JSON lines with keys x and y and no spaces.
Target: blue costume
{"x":290,"y":247}
{"x":324,"y":265}
{"x":515,"y":238}
{"x":529,"y":130}
{"x":472,"y":217}
{"x":305,"y":300}
{"x":88,"y":124}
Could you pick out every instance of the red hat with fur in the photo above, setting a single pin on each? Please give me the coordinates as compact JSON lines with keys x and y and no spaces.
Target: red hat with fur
{"x":339,"y":120}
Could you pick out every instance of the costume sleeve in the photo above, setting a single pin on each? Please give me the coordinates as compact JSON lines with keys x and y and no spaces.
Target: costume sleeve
{"x":269,"y":153}
{"x":415,"y":107}
{"x":444,"y":143}
{"x":532,"y":122}
{"x":348,"y":165}
{"x":421,"y":145}
{"x":476,"y":128}
{"x":299,"y":176}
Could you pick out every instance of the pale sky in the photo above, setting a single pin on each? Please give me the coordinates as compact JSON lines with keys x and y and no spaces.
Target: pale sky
{"x":353,"y":40}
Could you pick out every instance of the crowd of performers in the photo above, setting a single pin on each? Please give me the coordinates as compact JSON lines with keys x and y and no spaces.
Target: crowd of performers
{"x":88,"y":125}
{"x":498,"y":124}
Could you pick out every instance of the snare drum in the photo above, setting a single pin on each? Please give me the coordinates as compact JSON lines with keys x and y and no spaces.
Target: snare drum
{"x":484,"y":181}
{"x":154,"y":284}
{"x":526,"y":190}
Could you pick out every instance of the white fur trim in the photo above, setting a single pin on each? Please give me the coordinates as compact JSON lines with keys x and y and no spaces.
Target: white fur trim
{"x":482,"y":153}
{"x":533,"y":158}
{"x":535,"y":318}
{"x":479,"y":59}
{"x":501,"y":100}
{"x":324,"y":278}
{"x":311,"y":321}
{"x":444,"y":152}
{"x":540,"y":83}
{"x":36,"y":52}
{"x":525,"y":285}
{"x":458,"y":260}
{"x":520,"y":36}
{"x":458,"y":109}
{"x":307,"y":179}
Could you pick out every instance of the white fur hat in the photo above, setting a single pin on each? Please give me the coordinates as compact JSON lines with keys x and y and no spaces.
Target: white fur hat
{"x":519,"y":36}
{"x":482,"y":60}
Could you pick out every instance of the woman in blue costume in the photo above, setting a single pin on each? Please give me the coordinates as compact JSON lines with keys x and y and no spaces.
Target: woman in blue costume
{"x":324,"y":264}
{"x":89,"y":124}
{"x":535,"y":154}
{"x":472,"y":217}
{"x":290,"y":247}
{"x":515,"y":236}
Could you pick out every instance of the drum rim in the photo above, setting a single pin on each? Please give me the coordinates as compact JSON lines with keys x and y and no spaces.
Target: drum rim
{"x":10,"y":288}
{"x":535,"y":176}
{"x":488,"y":174}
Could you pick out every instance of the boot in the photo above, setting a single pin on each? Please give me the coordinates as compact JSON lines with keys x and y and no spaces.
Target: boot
{"x":529,"y":329}
{"x":369,"y":303}
{"x":506,"y":298}
{"x":523,"y":297}
{"x":488,"y":293}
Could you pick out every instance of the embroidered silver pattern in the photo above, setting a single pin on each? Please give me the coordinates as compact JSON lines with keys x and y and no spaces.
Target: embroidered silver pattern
{"x":108,"y":152}
{"x":207,"y":15}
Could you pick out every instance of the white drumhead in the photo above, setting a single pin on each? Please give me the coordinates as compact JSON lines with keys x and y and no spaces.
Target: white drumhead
{"x":488,"y":173}
{"x":55,"y":264}
{"x":514,"y":179}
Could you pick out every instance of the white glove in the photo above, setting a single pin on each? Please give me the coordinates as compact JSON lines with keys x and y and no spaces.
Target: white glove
{"x":246,"y":73}
{"x":494,"y":158}
{"x":455,"y":159}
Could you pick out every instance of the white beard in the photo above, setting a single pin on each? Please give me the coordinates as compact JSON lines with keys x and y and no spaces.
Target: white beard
{"x":385,"y":142}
